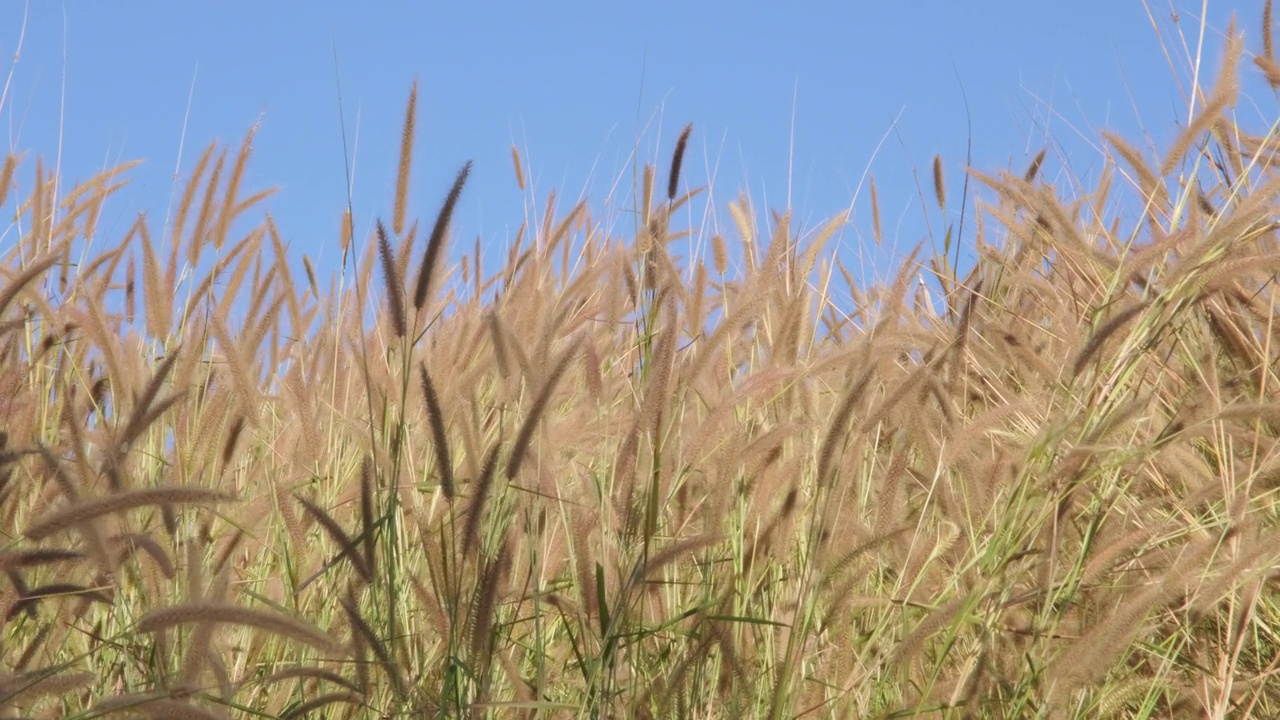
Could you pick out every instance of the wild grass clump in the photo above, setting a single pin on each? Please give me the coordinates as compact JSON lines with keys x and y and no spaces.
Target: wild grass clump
{"x":643,"y":486}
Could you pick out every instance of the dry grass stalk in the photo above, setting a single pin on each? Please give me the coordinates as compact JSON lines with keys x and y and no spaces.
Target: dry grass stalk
{"x":83,"y":511}
{"x":28,"y":686}
{"x":14,"y":559}
{"x":155,"y":705}
{"x":323,"y":701}
{"x":267,"y":621}
{"x":1040,"y":515}
{"x":339,"y":536}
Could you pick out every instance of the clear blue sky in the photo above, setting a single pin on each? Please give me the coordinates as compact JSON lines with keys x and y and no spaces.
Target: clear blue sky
{"x":575,"y":84}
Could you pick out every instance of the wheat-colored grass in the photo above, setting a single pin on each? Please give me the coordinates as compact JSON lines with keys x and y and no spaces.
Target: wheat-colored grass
{"x":740,"y":485}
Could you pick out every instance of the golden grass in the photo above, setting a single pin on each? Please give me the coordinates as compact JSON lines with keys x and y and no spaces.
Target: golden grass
{"x":640,"y":485}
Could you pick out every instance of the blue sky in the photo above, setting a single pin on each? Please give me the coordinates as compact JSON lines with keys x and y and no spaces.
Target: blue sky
{"x":790,"y":100}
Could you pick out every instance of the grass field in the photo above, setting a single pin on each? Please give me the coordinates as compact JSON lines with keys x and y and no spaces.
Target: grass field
{"x":595,"y":478}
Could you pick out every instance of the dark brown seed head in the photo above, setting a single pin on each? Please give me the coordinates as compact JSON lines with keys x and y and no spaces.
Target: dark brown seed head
{"x":391,"y":276}
{"x":435,"y":417}
{"x":1034,"y":169}
{"x":437,"y":239}
{"x":677,"y":159}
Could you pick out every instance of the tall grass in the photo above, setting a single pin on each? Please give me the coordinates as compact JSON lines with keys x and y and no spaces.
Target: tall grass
{"x":645,"y":487}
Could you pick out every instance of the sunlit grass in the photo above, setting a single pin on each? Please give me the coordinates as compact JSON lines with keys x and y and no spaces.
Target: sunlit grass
{"x":628,"y":484}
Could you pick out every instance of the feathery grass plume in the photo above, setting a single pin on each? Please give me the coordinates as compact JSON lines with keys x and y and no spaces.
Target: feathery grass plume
{"x":720,"y":253}
{"x":6,"y":176}
{"x":129,"y":543}
{"x":346,"y":697}
{"x":834,"y":569}
{"x":130,"y":299}
{"x":37,"y":643}
{"x":479,"y":269}
{"x":24,"y":278}
{"x":28,"y":599}
{"x":436,"y":241}
{"x":79,"y":512}
{"x":875,"y":214}
{"x":961,"y":340}
{"x":594,"y":379}
{"x":694,"y":310}
{"x":1033,"y":170}
{"x":518,"y":450}
{"x":266,"y":620}
{"x":40,"y":213}
{"x":199,"y":645}
{"x":1225,"y":90}
{"x":1088,"y":657}
{"x":13,"y":559}
{"x":153,"y":705}
{"x":645,"y":568}
{"x":677,"y":159}
{"x":646,"y":198}
{"x":339,"y":536}
{"x":439,"y":435}
{"x":232,"y":353}
{"x":233,"y":437}
{"x":66,"y":484}
{"x":379,"y":648}
{"x":499,"y":339}
{"x":839,"y":424}
{"x":157,"y":286}
{"x":1267,"y":61}
{"x":229,"y":207}
{"x":1104,"y":331}
{"x":515,"y":160}
{"x":406,"y":159}
{"x":366,"y":514}
{"x":147,"y":411}
{"x":221,"y":674}
{"x":483,"y":606}
{"x":1268,"y":47}
{"x":346,"y":230}
{"x":937,"y":619}
{"x":391,"y":276}
{"x":27,"y":686}
{"x":661,"y":367}
{"x":483,"y":485}
{"x":289,"y":290}
{"x":311,"y":277}
{"x":939,"y":184}
{"x":184,"y":208}
{"x":224,"y":556}
{"x":200,"y":233}
{"x":309,"y":672}
{"x":1153,"y":190}
{"x":360,"y":661}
